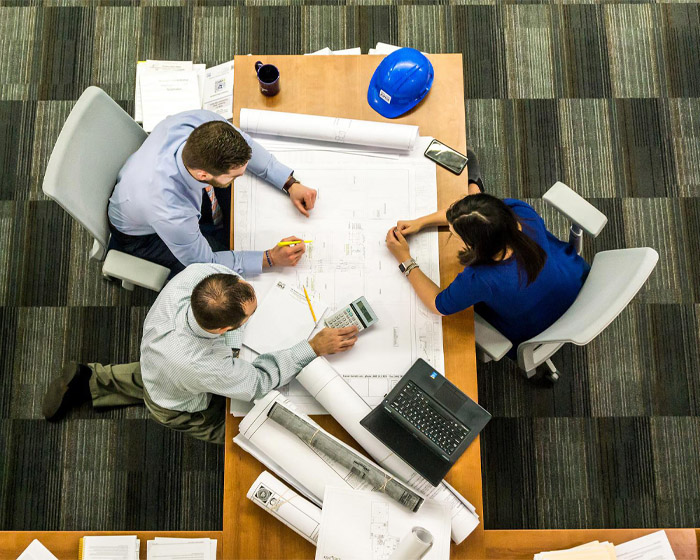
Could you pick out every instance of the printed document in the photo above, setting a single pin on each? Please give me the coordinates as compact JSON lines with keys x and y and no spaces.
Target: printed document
{"x":654,"y":546}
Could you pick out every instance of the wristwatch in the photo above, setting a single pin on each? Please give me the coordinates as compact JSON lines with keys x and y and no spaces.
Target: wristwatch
{"x":289,"y":183}
{"x":407,"y":266}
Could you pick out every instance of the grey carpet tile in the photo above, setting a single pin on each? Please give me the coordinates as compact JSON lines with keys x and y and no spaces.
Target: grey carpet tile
{"x":633,"y":51}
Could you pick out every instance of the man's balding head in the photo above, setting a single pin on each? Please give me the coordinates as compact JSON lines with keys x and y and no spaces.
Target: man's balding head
{"x":222,"y":301}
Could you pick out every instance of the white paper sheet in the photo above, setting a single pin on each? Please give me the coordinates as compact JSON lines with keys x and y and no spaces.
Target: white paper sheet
{"x":594,"y":550}
{"x":167,"y":93}
{"x":357,"y":525}
{"x":181,"y":550}
{"x":282,"y":319}
{"x":218,"y":90}
{"x":401,"y":137}
{"x":359,"y":199}
{"x":36,"y":551}
{"x":283,"y":503}
{"x":155,"y":66}
{"x":119,"y":547}
{"x":324,"y":50}
{"x":654,"y":546}
{"x":337,"y":396}
{"x":352,"y":51}
{"x":211,"y":543}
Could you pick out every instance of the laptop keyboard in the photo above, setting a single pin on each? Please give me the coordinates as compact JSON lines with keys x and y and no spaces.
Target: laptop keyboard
{"x":414,"y":406}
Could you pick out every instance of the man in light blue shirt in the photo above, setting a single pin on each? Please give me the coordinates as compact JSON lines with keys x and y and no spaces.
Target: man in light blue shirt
{"x":189,"y":358}
{"x":169,"y":205}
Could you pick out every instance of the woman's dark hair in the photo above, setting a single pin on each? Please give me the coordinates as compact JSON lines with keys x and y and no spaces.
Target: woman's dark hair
{"x":217,"y":301}
{"x":488,"y":226}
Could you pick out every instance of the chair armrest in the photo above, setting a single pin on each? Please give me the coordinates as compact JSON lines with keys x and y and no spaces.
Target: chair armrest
{"x":135,"y":270}
{"x":489,"y":339}
{"x":576,"y":208}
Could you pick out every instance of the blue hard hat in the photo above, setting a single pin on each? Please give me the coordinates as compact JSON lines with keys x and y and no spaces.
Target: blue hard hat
{"x":399,"y":83}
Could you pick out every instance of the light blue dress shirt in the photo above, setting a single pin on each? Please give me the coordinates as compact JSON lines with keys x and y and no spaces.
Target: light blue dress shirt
{"x":156,"y":194}
{"x":182,"y":365}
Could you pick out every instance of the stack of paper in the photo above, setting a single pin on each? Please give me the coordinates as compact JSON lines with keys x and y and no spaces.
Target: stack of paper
{"x":168,"y":548}
{"x":167,"y":87}
{"x":36,"y":551}
{"x":384,"y":48}
{"x":327,"y":50}
{"x":590,"y":551}
{"x":121,"y":547}
{"x":654,"y":546}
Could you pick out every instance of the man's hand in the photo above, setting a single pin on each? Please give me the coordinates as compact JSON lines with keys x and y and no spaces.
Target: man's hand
{"x":409,"y":227}
{"x":288,"y":255}
{"x":331,"y":341}
{"x":397,"y":244}
{"x":302,"y":197}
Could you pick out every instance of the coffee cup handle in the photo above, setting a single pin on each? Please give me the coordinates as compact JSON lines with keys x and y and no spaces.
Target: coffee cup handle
{"x":258,"y":64}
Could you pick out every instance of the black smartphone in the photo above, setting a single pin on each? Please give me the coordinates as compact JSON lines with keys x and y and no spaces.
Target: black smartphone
{"x":446,"y":157}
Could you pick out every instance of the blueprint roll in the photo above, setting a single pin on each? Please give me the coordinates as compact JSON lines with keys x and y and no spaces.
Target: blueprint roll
{"x":341,"y":401}
{"x":283,"y":503}
{"x":391,"y":136}
{"x":414,"y":545}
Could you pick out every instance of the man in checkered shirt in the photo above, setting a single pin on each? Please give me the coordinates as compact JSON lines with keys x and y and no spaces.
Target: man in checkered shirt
{"x":189,"y":358}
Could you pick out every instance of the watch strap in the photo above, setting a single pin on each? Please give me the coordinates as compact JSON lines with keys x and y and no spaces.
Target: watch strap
{"x":289,"y":183}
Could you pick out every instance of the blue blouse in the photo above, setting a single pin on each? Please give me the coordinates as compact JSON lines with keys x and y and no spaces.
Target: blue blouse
{"x":502,"y":298}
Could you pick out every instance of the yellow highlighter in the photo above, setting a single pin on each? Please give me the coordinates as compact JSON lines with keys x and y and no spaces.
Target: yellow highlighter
{"x":288,"y":243}
{"x":309,"y":302}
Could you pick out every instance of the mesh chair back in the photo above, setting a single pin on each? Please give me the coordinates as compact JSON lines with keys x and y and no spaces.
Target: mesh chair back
{"x":95,"y":142}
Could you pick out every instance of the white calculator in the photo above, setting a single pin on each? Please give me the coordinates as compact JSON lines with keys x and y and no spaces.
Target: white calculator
{"x":358,"y":314}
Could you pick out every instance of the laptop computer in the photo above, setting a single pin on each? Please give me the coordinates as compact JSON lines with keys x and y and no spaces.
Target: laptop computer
{"x":425,"y":412}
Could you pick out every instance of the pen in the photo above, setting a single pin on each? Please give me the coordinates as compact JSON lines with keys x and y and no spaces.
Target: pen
{"x":309,"y":302}
{"x":288,"y":243}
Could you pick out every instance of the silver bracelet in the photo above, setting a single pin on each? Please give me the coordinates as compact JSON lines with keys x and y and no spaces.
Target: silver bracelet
{"x":409,"y":268}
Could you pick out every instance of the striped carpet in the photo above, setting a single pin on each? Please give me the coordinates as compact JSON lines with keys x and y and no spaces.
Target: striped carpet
{"x":605,"y":97}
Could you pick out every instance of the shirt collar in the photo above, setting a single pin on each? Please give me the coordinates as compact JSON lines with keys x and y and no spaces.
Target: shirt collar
{"x":195,"y":328}
{"x":190,"y":181}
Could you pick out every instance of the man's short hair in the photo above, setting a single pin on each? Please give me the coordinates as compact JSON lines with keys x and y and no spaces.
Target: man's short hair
{"x":216,"y":147}
{"x":217,"y":301}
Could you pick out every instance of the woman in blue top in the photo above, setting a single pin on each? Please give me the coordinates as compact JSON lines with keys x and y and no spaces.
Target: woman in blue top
{"x":519,"y":277}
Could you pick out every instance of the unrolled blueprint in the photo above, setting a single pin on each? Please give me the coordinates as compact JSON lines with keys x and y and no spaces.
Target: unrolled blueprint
{"x":360,"y":196}
{"x":360,"y":525}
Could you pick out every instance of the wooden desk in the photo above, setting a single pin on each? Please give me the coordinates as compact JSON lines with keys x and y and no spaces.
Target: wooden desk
{"x":337,"y":86}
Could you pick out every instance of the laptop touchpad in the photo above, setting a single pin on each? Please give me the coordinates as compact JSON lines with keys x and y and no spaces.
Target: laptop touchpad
{"x":450,"y":397}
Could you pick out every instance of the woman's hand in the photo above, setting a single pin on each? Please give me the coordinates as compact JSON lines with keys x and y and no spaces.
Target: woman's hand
{"x":397,"y":245}
{"x":409,"y":227}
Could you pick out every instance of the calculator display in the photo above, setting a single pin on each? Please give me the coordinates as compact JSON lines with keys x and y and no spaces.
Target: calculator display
{"x":364,"y":311}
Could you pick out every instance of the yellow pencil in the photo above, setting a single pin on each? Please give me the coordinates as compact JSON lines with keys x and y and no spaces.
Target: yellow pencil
{"x":288,"y":243}
{"x":309,"y":302}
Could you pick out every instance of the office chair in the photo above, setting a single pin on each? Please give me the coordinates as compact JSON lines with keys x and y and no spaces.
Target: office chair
{"x":96,"y":139}
{"x":615,"y":278}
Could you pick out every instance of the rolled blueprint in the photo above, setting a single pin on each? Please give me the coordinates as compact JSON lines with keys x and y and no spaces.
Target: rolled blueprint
{"x":348,"y":408}
{"x":330,"y":129}
{"x":414,"y":545}
{"x":284,"y":453}
{"x":280,"y":501}
{"x":318,"y":439}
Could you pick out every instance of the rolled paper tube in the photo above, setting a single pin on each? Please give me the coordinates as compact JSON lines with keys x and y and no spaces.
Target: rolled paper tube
{"x":414,"y":545}
{"x":320,"y":440}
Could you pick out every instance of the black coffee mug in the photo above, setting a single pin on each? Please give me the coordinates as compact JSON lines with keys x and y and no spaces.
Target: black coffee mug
{"x":269,"y":78}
